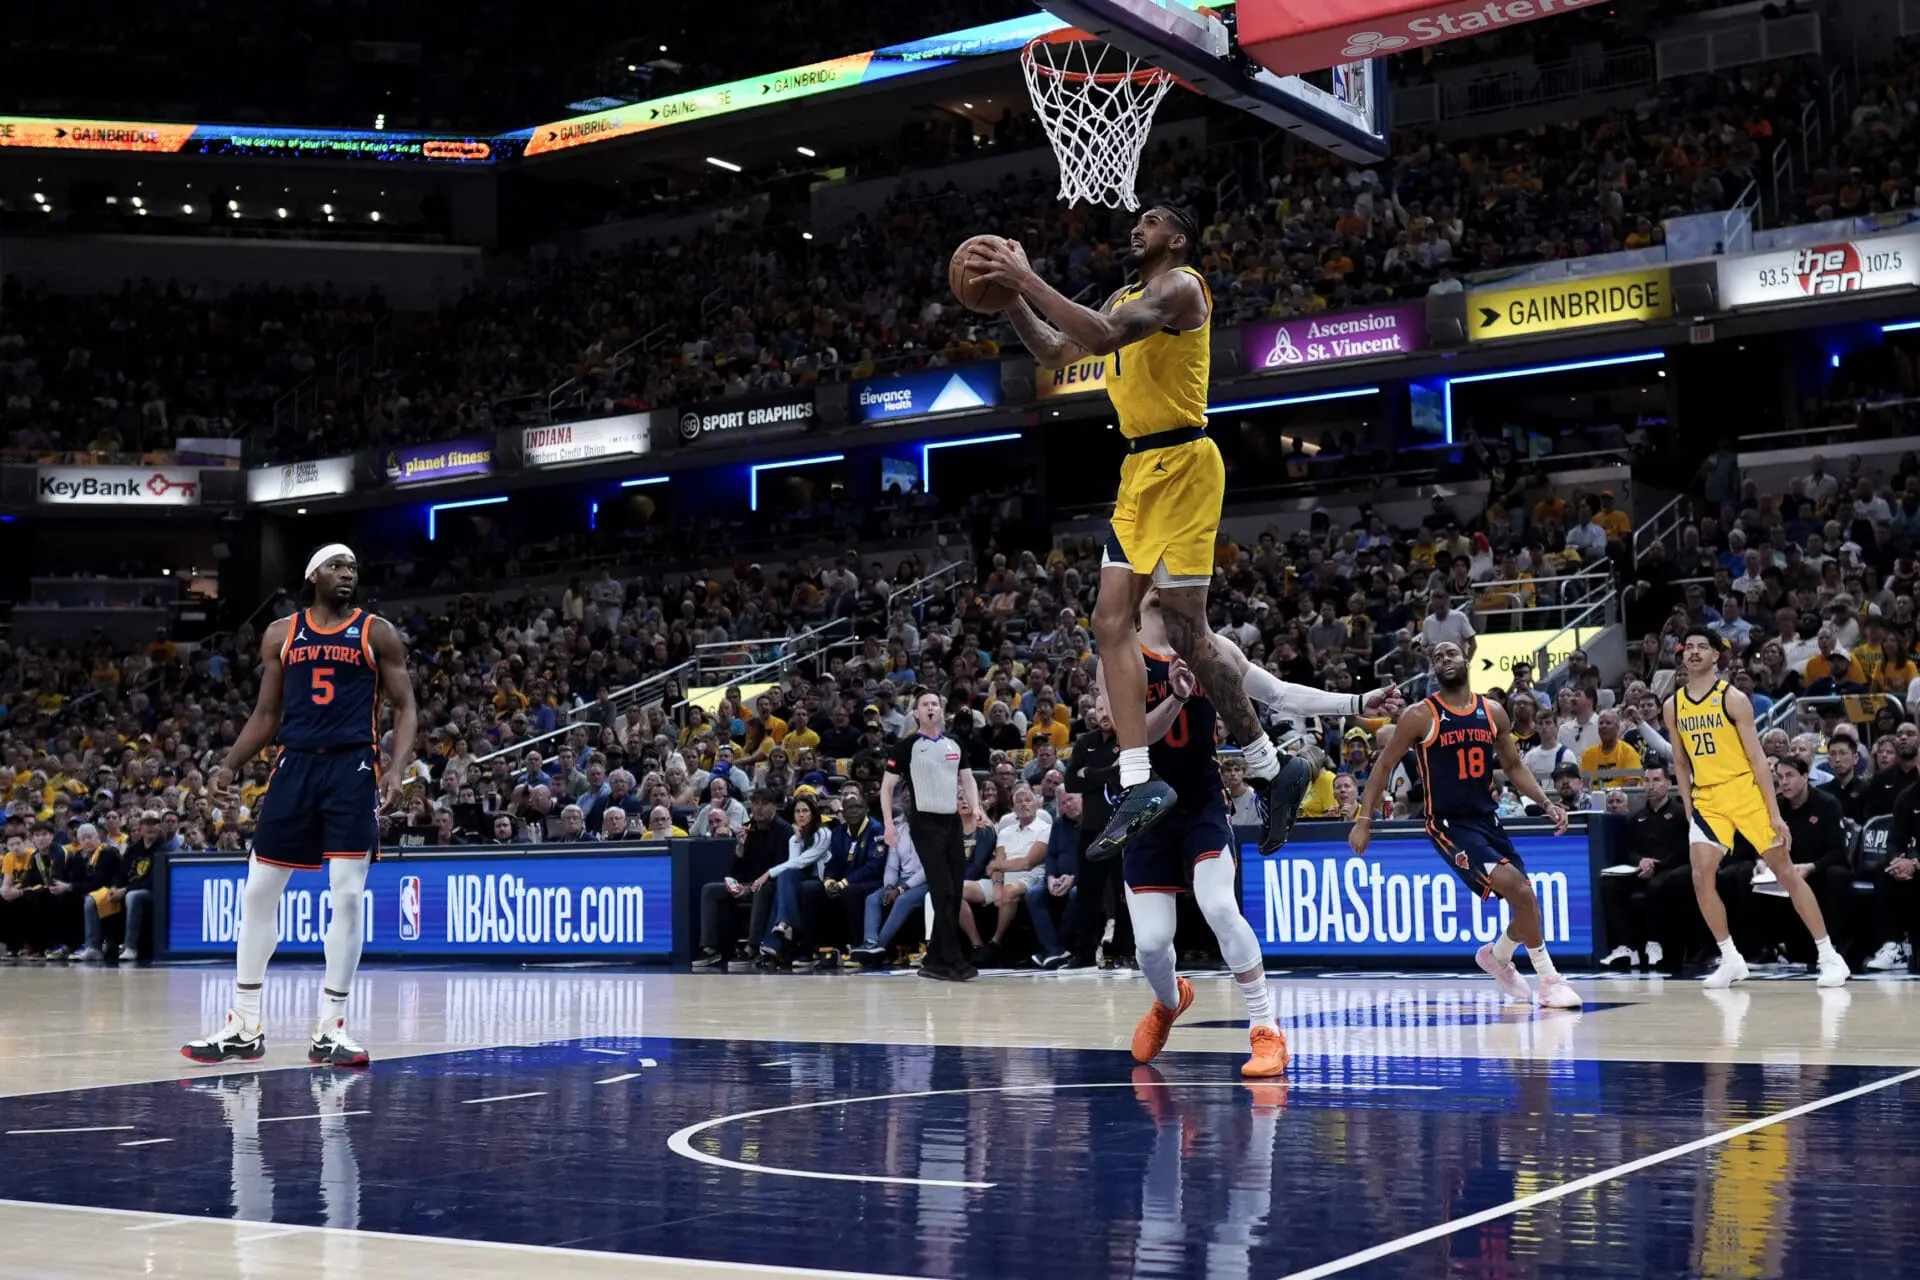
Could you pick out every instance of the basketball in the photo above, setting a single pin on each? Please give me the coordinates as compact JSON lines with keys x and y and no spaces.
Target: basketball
{"x":964,"y":278}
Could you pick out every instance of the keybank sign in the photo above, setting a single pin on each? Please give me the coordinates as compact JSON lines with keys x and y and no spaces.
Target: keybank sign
{"x":1402,"y":900}
{"x":119,"y":486}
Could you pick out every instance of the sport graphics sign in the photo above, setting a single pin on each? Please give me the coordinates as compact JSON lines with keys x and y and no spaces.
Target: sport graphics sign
{"x":424,"y":463}
{"x":973,"y":386}
{"x":321,"y":478}
{"x":1819,"y":271}
{"x":1292,"y":39}
{"x":756,"y":419}
{"x":1401,"y":900}
{"x":1330,"y":339}
{"x":622,"y":437}
{"x":1573,"y":303}
{"x":468,"y":907}
{"x":119,"y":486}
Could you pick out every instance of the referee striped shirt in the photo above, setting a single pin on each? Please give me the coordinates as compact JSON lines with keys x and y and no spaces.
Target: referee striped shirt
{"x":931,"y":767}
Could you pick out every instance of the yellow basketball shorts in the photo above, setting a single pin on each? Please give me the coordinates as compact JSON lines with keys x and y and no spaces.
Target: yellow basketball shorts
{"x":1730,"y":809}
{"x":1166,"y":517}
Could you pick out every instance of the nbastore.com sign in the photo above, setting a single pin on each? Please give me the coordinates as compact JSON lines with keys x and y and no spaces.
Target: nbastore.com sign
{"x":119,"y":486}
{"x":734,"y":419}
{"x":1819,"y":271}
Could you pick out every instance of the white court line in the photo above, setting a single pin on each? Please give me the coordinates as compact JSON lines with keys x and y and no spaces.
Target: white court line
{"x":1578,"y":1185}
{"x":631,"y":1075}
{"x":505,"y":1097}
{"x":271,"y":1233}
{"x":146,"y":1142}
{"x":641,"y":1261}
{"x":98,"y":1128}
{"x":681,"y":1143}
{"x":648,"y":1062}
{"x":319,"y":1116}
{"x":617,"y":1053}
{"x":784,"y":1062}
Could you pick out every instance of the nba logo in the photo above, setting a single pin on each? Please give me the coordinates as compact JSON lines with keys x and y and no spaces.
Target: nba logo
{"x":409,"y":908}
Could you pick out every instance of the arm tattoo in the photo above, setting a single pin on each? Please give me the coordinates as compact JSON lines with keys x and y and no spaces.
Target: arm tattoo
{"x":1045,"y":342}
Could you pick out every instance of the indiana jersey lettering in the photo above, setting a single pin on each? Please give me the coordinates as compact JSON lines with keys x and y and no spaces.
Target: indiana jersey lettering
{"x":1457,"y":760}
{"x":331,"y":686}
{"x":1160,"y":382}
{"x":1709,"y":737}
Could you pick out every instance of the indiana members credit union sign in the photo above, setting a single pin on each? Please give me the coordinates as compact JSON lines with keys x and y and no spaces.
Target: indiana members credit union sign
{"x":119,"y":486}
{"x":1820,"y":271}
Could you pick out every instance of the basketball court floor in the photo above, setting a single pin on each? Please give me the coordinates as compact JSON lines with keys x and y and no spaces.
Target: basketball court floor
{"x":602,"y":1122}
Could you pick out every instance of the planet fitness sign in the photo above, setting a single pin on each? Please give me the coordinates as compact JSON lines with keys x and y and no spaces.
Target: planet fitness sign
{"x":1332,"y":339}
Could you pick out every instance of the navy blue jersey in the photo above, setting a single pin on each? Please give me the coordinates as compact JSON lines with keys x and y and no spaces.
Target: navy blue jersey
{"x":331,"y":692}
{"x":1457,"y":761}
{"x":1184,"y":758}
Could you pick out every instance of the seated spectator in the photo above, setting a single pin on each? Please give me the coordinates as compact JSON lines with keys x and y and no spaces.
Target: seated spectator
{"x":613,"y":825}
{"x":858,"y":860}
{"x":808,"y":848}
{"x":902,"y":890}
{"x":761,"y":845}
{"x":660,"y":825}
{"x":720,"y":797}
{"x":1571,"y":790}
{"x":1610,"y":755}
{"x":1055,"y":892}
{"x":573,"y":825}
{"x":1018,"y":863}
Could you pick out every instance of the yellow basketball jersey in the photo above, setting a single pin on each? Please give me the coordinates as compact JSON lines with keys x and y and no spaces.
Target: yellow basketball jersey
{"x":1709,"y":737}
{"x":1160,"y":382}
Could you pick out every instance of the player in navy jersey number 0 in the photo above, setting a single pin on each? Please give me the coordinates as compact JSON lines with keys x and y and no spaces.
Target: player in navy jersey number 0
{"x":322,"y":673}
{"x":1462,"y":738}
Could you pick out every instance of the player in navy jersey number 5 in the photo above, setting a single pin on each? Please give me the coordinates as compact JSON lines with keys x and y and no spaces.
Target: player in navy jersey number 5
{"x":1461,"y":739}
{"x":322,"y":674}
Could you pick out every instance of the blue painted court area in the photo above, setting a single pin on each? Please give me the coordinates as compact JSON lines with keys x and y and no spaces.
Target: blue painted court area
{"x":1011,"y":1163}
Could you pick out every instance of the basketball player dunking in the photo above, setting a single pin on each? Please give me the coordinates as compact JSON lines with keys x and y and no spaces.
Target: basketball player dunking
{"x":1462,"y":737}
{"x":322,"y":672}
{"x":1167,"y":514}
{"x":1726,"y":784}
{"x":1193,"y":850}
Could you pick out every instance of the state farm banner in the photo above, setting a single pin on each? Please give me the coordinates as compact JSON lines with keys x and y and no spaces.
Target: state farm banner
{"x":1293,"y":38}
{"x":621,"y":437}
{"x":119,"y":486}
{"x":1330,"y":339}
{"x":1819,"y":271}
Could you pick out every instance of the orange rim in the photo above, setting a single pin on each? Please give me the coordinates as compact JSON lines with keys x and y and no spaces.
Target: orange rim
{"x":1146,"y":73}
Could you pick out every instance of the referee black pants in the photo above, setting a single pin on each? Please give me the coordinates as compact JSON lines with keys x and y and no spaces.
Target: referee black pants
{"x":1103,"y":897}
{"x":943,"y":856}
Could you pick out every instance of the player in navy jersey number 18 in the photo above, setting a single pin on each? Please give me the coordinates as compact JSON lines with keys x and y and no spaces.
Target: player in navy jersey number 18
{"x":1461,"y":738}
{"x":322,"y":673}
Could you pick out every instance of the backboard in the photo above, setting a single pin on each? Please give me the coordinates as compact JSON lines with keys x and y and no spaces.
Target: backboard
{"x":1197,"y":42}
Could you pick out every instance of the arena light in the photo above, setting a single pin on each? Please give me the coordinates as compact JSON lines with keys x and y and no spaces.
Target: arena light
{"x":1531,"y":371}
{"x":593,"y":515}
{"x":808,"y":152}
{"x":718,"y":163}
{"x":1904,"y":326}
{"x":926,"y":473}
{"x":644,"y":480}
{"x":1314,"y":398}
{"x":434,"y":510}
{"x":753,"y":473}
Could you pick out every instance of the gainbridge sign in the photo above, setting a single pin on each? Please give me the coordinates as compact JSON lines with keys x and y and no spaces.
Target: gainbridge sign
{"x":1531,"y":310}
{"x":1495,"y":654}
{"x":1292,"y":38}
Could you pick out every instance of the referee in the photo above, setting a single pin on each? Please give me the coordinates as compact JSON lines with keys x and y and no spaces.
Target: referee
{"x":931,"y":764}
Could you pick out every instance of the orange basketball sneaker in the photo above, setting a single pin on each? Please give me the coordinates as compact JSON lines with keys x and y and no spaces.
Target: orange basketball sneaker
{"x":1270,"y":1055}
{"x":1150,"y":1037}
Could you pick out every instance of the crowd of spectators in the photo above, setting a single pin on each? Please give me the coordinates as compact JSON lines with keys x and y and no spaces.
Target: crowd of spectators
{"x":754,"y":306}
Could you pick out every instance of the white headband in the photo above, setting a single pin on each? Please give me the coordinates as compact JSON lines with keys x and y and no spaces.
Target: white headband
{"x":327,"y":553}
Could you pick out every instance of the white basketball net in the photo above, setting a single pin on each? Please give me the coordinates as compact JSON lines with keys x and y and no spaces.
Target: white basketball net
{"x":1096,"y":103}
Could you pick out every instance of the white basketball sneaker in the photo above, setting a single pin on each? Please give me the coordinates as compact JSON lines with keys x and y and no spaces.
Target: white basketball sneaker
{"x":1732,"y":969}
{"x":1833,"y":971}
{"x":1558,"y":994}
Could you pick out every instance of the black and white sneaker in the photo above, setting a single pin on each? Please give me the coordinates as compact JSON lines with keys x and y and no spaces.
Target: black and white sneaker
{"x":1280,"y":799}
{"x":234,"y":1040}
{"x":710,"y":960}
{"x":333,"y":1047}
{"x":1142,"y":805}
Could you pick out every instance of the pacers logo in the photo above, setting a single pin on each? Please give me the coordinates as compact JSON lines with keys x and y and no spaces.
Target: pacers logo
{"x":409,"y":908}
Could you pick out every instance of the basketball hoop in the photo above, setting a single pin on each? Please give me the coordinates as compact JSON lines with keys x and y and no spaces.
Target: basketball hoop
{"x":1096,"y":103}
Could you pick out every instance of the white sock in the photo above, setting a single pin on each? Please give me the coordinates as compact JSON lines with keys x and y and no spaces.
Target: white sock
{"x":246,"y":1003}
{"x":1504,"y":947}
{"x":1824,"y":946}
{"x":1262,"y":760}
{"x":1259,"y":1000}
{"x":1727,"y":950}
{"x":333,"y":1010}
{"x":1134,"y":766}
{"x":1543,"y":963}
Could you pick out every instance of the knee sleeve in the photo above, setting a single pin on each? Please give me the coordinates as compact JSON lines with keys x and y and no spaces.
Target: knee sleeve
{"x":347,"y":880}
{"x":1154,"y":918}
{"x":259,"y":920}
{"x":1213,"y":891}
